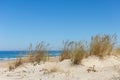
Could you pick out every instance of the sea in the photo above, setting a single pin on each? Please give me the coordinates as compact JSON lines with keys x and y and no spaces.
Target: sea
{"x":11,"y":55}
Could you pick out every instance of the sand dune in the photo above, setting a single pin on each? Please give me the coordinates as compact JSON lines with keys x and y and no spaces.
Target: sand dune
{"x":106,"y":69}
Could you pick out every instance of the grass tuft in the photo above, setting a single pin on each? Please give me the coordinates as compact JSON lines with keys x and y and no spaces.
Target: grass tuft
{"x":38,"y":54}
{"x":19,"y":61}
{"x":73,"y":50}
{"x":79,"y":53}
{"x":102,"y":45}
{"x":35,"y":56}
{"x":67,"y":50}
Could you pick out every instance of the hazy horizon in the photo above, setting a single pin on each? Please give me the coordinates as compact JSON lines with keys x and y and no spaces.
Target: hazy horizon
{"x":30,"y":21}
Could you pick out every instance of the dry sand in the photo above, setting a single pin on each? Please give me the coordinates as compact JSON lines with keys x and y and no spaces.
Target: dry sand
{"x":106,"y":69}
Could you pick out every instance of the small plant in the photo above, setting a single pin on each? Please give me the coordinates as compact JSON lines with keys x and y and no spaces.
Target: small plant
{"x":11,"y":67}
{"x":102,"y":45}
{"x":29,"y":58}
{"x":117,"y":50}
{"x":38,"y":54}
{"x":91,"y":69}
{"x":35,"y":56}
{"x":78,"y":53}
{"x":16,"y":63}
{"x":67,"y":50}
{"x":73,"y":50}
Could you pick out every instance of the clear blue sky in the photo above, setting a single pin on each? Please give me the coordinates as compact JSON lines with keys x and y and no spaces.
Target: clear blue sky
{"x":28,"y":21}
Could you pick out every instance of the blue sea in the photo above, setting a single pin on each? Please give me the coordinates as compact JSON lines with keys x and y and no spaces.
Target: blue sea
{"x":8,"y":55}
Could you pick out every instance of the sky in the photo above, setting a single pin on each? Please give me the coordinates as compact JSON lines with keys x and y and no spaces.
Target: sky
{"x":30,"y":21}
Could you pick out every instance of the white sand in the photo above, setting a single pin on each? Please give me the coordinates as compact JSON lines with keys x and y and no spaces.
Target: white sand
{"x":105,"y":70}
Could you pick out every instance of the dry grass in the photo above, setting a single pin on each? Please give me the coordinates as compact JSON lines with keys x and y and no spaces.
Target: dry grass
{"x":38,"y":54}
{"x":29,"y":58}
{"x":35,"y":56}
{"x":117,"y":50}
{"x":73,"y":50}
{"x":11,"y":67}
{"x":19,"y":61}
{"x":67,"y":50}
{"x":78,"y":53}
{"x":102,"y":45}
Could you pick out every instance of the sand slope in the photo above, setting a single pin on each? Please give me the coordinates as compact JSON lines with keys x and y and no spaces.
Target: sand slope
{"x":105,"y":69}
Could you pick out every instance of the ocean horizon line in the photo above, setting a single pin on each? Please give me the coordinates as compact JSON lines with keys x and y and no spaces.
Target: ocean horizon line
{"x":10,"y":55}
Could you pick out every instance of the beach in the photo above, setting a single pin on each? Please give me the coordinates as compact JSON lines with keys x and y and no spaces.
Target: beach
{"x":92,"y":68}
{"x":59,"y":39}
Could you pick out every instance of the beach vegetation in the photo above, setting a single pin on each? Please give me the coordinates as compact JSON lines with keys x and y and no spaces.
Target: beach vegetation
{"x":67,"y":50}
{"x":38,"y":53}
{"x":75,"y":51}
{"x":101,"y":46}
{"x":79,"y":52}
{"x":34,"y":55}
{"x":19,"y":61}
